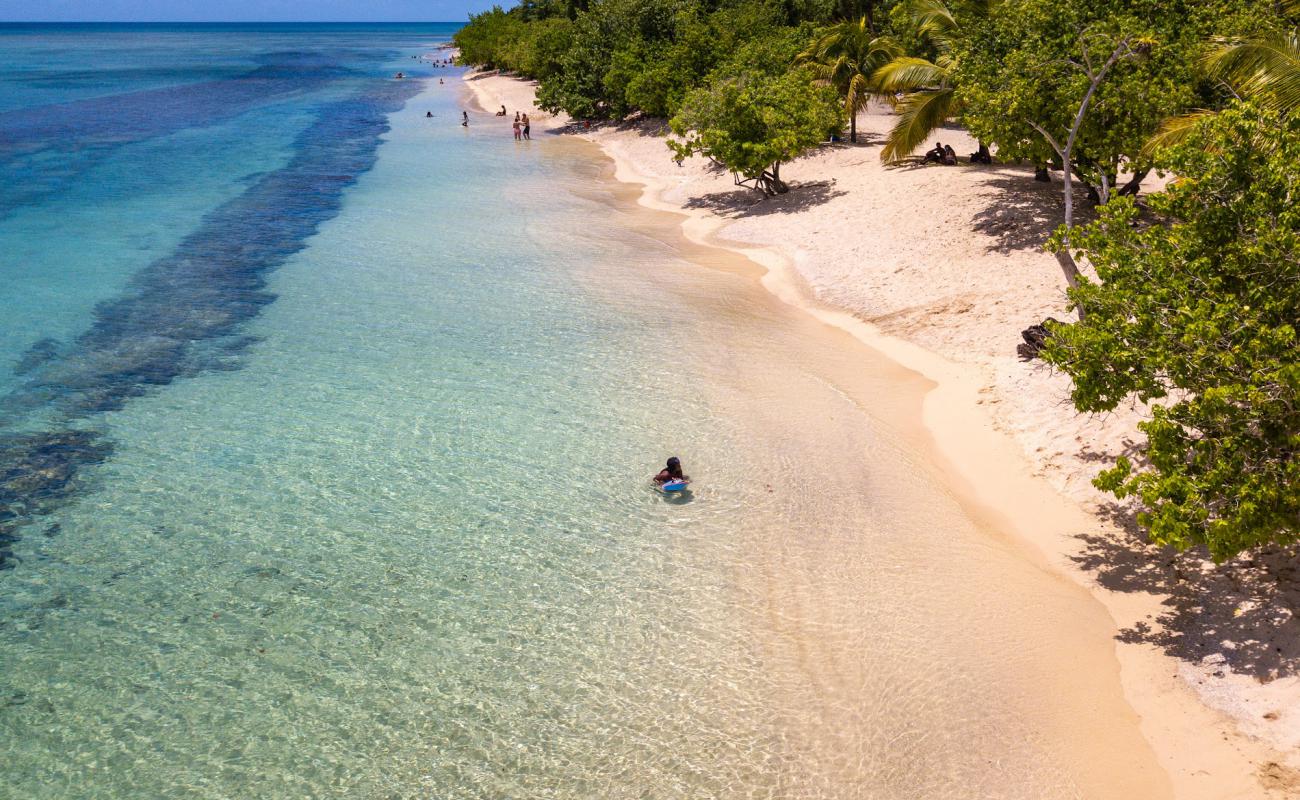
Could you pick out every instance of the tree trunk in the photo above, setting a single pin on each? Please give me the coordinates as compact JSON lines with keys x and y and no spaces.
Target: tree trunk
{"x":1134,"y":184}
{"x":1042,"y":175}
{"x":1093,"y":196}
{"x":778,"y":185}
{"x":853,"y":127}
{"x":769,"y":181}
{"x":985,"y":156}
{"x":1067,"y":155}
{"x":1063,"y":256}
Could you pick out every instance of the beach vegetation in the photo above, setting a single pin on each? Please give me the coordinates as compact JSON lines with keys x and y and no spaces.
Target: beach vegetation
{"x":1262,"y":65}
{"x":1195,"y":311}
{"x":924,"y":73}
{"x":752,"y":123}
{"x":608,"y":59}
{"x":846,"y":56}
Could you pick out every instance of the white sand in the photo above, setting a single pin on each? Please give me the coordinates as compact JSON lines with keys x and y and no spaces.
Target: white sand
{"x":941,"y":268}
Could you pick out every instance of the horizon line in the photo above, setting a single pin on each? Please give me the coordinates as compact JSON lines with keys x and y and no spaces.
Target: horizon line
{"x":227,"y":21}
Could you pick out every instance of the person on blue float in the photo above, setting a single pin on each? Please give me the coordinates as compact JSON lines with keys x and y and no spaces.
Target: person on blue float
{"x":672,"y":472}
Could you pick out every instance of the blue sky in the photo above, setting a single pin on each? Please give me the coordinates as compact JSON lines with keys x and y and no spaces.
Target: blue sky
{"x":241,"y":10}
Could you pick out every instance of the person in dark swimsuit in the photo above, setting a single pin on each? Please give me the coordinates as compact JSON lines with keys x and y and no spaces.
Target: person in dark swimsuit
{"x":672,"y":472}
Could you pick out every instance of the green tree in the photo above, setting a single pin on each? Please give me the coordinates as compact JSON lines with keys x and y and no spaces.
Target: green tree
{"x":542,"y":50}
{"x":487,"y":38}
{"x":845,"y":56}
{"x":1083,"y":84}
{"x":753,"y":123}
{"x":1197,"y":314}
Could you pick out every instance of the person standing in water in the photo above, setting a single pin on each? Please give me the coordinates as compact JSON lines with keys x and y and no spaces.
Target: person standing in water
{"x":526,"y":126}
{"x":464,"y":119}
{"x":515,"y":126}
{"x":671,"y":472}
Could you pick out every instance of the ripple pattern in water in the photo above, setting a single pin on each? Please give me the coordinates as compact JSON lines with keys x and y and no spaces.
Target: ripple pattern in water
{"x":407,"y":549}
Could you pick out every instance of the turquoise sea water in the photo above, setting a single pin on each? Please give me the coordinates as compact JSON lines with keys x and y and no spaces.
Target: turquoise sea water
{"x":327,"y":473}
{"x":324,"y":436}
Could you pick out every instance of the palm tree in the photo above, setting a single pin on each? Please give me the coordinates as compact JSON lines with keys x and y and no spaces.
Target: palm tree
{"x":931,"y":100}
{"x":845,"y":56}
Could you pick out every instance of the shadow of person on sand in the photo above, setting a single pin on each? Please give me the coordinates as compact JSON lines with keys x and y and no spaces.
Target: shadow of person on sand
{"x":1240,"y":616}
{"x":744,"y":202}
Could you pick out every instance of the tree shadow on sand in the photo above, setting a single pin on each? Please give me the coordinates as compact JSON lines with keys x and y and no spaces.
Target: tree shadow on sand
{"x":1239,"y":616}
{"x":743,"y":202}
{"x":1022,"y":213}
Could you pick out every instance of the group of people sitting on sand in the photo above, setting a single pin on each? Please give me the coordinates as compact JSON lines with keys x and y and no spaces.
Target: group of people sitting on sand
{"x":941,"y":154}
{"x":944,"y":154}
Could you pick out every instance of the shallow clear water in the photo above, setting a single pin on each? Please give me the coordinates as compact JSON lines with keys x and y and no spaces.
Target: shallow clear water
{"x":333,"y":478}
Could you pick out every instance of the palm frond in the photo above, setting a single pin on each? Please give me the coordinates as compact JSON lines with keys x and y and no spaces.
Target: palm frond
{"x":1265,"y":69}
{"x":845,"y":56}
{"x":857,"y":94}
{"x":1175,"y":130}
{"x":919,"y":115}
{"x":933,"y":20}
{"x":906,"y":73}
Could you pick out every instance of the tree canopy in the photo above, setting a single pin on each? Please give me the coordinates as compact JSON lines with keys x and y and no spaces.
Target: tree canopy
{"x":1197,"y":313}
{"x":752,"y":123}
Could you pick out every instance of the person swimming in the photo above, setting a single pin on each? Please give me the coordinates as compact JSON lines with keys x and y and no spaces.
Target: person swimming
{"x":671,"y":472}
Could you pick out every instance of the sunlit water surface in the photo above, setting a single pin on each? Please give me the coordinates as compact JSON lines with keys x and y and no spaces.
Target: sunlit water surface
{"x":397,"y":539}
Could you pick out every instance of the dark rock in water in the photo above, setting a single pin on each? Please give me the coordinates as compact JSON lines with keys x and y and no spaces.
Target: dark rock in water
{"x":36,"y":355}
{"x":182,"y":313}
{"x":36,"y":472}
{"x":12,"y":698}
{"x":1035,"y":337}
{"x":53,"y":530}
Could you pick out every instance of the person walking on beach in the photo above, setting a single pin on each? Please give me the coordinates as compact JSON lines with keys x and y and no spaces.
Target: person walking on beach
{"x":526,"y":126}
{"x":515,"y":125}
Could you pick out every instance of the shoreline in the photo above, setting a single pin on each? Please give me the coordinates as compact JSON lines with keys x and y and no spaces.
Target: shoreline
{"x":1206,"y":751}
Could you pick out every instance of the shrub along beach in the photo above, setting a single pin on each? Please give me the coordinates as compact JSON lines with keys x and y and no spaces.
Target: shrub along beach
{"x":1105,"y":258}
